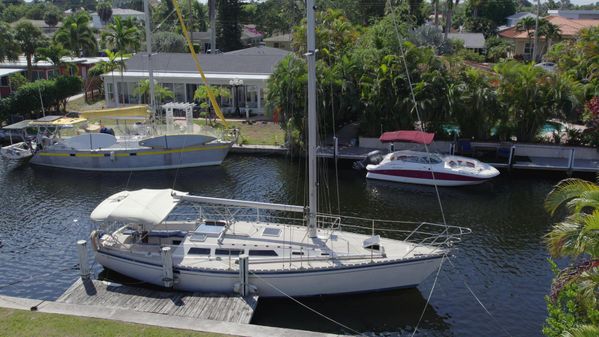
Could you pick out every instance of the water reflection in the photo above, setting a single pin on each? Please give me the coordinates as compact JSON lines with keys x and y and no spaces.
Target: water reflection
{"x":44,"y":211}
{"x":390,"y":313}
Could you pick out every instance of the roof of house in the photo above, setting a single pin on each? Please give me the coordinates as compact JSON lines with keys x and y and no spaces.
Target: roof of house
{"x":8,"y":71}
{"x":569,"y":11}
{"x":255,"y":60}
{"x":279,"y":38}
{"x":123,"y":11}
{"x":471,"y":40}
{"x":250,"y":32}
{"x":568,"y":27}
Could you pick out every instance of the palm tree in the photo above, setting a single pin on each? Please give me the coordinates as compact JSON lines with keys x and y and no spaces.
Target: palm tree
{"x":77,"y":35}
{"x":201,"y":94}
{"x":9,"y":48}
{"x":29,"y":39}
{"x":528,"y":23}
{"x":120,"y":35}
{"x":448,"y":17}
{"x":577,"y":234}
{"x":104,"y":10}
{"x":53,"y":54}
{"x":160,"y":93}
{"x":114,"y":62}
{"x":577,"y":237}
{"x":550,"y":31}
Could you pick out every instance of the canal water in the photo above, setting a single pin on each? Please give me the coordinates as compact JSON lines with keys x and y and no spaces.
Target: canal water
{"x":501,"y":265}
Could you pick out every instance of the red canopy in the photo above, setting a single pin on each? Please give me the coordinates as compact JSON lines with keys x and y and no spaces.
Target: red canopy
{"x":407,"y":136}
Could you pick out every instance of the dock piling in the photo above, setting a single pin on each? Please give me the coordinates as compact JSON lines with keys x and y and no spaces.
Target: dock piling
{"x":244,"y":286}
{"x":83,"y":264}
{"x":167,"y":266}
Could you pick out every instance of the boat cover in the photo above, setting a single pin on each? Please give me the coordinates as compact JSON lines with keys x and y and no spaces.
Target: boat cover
{"x":407,"y":136}
{"x":136,"y":111}
{"x":145,"y":207}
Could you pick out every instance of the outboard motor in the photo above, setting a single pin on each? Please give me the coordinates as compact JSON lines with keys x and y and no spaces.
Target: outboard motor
{"x":373,"y":157}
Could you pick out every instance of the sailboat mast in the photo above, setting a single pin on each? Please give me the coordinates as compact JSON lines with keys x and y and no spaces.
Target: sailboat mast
{"x":148,"y":24}
{"x":312,"y":179}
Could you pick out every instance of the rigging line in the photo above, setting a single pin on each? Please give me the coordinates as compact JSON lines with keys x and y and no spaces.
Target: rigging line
{"x":430,"y":294}
{"x":302,"y":304}
{"x":413,"y":96}
{"x":481,"y":303}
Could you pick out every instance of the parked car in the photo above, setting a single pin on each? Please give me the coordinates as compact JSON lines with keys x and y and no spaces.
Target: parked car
{"x":548,"y":66}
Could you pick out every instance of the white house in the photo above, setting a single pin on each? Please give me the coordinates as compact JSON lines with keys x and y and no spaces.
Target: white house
{"x":590,"y":14}
{"x":123,"y":13}
{"x":244,"y":72}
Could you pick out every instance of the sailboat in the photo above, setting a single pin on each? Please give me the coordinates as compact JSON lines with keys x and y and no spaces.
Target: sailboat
{"x":144,"y":149}
{"x":203,"y":244}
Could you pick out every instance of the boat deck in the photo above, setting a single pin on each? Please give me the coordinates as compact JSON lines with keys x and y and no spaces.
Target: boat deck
{"x":217,"y":307}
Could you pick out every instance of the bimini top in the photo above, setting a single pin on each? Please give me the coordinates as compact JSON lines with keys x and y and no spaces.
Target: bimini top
{"x":145,"y":207}
{"x":407,"y":136}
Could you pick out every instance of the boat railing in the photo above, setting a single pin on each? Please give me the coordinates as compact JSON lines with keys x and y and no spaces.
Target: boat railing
{"x":419,"y":233}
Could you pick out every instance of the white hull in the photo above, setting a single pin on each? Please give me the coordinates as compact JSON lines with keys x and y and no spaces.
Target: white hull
{"x":422,"y":168}
{"x":419,"y":181}
{"x":17,"y":151}
{"x":365,"y":278}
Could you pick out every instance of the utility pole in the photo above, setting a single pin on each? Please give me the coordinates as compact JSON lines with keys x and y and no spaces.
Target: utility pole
{"x":212,"y":14}
{"x":536,"y":39}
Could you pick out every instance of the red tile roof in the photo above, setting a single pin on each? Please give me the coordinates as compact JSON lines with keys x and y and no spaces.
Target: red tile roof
{"x":568,"y":27}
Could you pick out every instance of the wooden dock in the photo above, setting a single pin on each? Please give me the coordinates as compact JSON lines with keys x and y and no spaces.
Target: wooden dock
{"x":217,"y":307}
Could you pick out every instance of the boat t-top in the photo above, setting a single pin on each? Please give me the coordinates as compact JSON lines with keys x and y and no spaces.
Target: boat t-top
{"x":426,"y":168}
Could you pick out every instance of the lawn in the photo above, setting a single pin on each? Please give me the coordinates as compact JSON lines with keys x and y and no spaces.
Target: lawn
{"x":259,"y":133}
{"x":28,"y":323}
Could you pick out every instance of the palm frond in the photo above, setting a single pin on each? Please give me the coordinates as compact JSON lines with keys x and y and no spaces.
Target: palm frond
{"x":566,"y":190}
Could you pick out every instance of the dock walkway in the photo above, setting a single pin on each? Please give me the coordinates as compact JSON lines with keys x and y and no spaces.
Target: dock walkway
{"x":217,"y":307}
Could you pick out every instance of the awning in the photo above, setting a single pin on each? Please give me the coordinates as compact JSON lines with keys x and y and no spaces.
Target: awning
{"x":407,"y":136}
{"x":145,"y":207}
{"x":18,"y":126}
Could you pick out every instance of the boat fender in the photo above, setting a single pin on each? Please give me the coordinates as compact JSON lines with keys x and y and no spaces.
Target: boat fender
{"x":112,"y":156}
{"x":94,"y":238}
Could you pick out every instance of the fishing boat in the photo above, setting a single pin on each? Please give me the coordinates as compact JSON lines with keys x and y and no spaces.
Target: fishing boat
{"x":416,"y":167}
{"x":204,"y":244}
{"x":148,"y":146}
{"x":67,"y":143}
{"x":21,"y":150}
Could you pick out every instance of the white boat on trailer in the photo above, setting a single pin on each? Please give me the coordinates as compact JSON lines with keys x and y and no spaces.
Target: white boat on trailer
{"x":229,"y":245}
{"x":426,"y":168}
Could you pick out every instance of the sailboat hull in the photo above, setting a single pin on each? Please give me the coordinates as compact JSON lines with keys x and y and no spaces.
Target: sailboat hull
{"x":140,"y":159}
{"x":320,"y":281}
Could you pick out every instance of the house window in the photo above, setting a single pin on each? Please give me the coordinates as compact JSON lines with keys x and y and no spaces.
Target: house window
{"x":38,"y":75}
{"x":179,"y":91}
{"x":252,"y":96}
{"x":110,"y":92}
{"x":276,"y":45}
{"x":4,"y":81}
{"x":528,"y":47}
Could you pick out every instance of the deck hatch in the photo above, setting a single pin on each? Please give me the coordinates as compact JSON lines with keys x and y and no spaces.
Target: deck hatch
{"x":271,"y":231}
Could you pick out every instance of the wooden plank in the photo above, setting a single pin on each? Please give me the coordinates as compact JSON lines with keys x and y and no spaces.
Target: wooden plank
{"x":195,"y":305}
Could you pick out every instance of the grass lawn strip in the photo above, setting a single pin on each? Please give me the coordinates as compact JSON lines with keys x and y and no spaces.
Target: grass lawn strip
{"x":17,"y":323}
